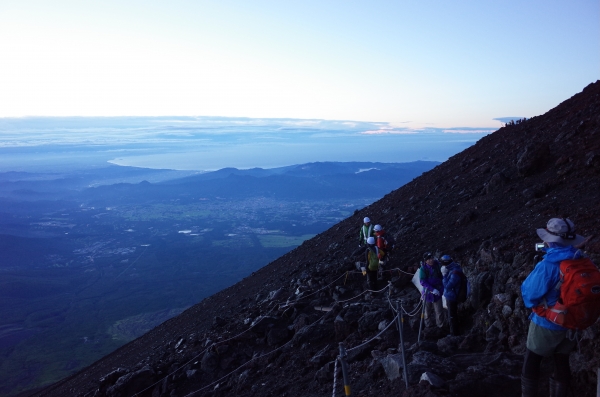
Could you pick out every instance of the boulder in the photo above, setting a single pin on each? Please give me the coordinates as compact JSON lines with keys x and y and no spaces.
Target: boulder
{"x":209,"y":362}
{"x":263,"y":323}
{"x":532,"y":159}
{"x":277,"y":335}
{"x":321,"y":357}
{"x":132,"y":383}
{"x":313,"y":333}
{"x":496,"y":182}
{"x":109,"y":379}
{"x":370,"y":321}
{"x":325,"y":374}
{"x":342,"y":329}
{"x":433,"y":379}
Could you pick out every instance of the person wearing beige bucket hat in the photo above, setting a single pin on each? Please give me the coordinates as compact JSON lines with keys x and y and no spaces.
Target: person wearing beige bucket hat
{"x":541,"y":287}
{"x":560,"y":231}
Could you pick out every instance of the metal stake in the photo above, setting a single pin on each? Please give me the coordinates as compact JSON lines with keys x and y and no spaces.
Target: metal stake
{"x":401,"y":328}
{"x":598,"y":384}
{"x":345,"y":370}
{"x":422,"y":317}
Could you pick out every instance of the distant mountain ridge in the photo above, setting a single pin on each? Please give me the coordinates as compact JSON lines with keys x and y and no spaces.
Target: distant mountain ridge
{"x":303,"y":181}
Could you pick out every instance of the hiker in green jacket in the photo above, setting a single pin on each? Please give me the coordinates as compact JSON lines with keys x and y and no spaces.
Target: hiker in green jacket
{"x":366,"y":231}
{"x":372,"y":259}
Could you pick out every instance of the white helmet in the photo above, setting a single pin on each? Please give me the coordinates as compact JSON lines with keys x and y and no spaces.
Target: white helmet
{"x":371,"y":240}
{"x":366,"y":220}
{"x":377,"y":228}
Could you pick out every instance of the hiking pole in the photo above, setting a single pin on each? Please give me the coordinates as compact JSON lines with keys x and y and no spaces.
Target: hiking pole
{"x":345,"y":370}
{"x":401,"y":328}
{"x":422,"y":317}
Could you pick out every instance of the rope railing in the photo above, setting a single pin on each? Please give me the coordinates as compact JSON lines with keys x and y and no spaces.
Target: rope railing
{"x":249,"y":361}
{"x":196,"y":357}
{"x":375,"y":337}
{"x":282,"y":346}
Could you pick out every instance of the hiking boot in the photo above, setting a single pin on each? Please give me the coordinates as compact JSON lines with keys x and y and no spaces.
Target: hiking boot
{"x":529,"y":387}
{"x":558,"y":389}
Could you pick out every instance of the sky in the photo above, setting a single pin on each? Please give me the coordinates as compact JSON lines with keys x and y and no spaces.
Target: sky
{"x":441,"y":64}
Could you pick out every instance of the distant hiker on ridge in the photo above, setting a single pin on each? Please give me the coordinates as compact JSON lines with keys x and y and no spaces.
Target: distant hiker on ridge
{"x":549,"y":280}
{"x":366,"y":231}
{"x":433,"y":288}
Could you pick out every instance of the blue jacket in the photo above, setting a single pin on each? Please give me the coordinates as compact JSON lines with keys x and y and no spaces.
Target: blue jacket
{"x":431,"y":278}
{"x":452,"y":281}
{"x":542,"y":281}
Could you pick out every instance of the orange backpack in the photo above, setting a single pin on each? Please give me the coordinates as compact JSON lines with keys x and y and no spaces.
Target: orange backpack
{"x":578,"y":305}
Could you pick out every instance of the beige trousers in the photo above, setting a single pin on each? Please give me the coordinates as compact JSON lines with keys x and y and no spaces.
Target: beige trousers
{"x":439,"y":314}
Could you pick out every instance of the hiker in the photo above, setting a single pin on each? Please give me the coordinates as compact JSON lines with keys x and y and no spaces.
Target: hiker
{"x":381,"y":241}
{"x":382,"y":247}
{"x":433,"y":288}
{"x":366,"y":231}
{"x":453,"y":275}
{"x":372,"y":259}
{"x":546,"y":338}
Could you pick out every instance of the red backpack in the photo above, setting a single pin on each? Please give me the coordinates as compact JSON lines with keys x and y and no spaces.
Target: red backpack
{"x":578,"y":305}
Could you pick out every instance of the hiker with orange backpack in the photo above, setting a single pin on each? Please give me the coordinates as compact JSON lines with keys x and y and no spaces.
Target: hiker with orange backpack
{"x":545,"y":290}
{"x":384,"y":242}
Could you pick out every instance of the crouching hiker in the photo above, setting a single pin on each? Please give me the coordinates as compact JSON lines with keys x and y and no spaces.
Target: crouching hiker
{"x":433,"y":288}
{"x":372,"y":259}
{"x":453,"y":281}
{"x":547,"y":291}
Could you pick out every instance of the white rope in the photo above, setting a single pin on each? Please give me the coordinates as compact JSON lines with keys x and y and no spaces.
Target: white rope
{"x":335,"y":369}
{"x":195,"y":357}
{"x":238,"y":368}
{"x":376,"y":336}
{"x":327,"y":286}
{"x":415,"y":311}
{"x":248,"y":362}
{"x":389,"y":270}
{"x":243,"y":332}
{"x":361,"y":294}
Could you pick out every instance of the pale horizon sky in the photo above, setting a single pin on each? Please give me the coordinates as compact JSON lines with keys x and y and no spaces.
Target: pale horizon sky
{"x":413,"y":64}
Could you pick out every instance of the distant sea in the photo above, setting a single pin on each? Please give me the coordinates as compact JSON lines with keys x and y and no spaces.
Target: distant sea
{"x":210,"y":143}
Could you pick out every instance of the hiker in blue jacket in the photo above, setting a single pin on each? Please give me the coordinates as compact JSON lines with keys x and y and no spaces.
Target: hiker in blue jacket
{"x":546,"y":338}
{"x":433,"y":288}
{"x":452,"y":280}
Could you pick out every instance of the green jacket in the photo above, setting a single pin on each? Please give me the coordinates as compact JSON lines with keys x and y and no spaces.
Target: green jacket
{"x":372,"y":257}
{"x":365,"y":233}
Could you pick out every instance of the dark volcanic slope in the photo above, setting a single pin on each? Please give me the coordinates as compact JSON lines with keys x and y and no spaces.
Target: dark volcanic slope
{"x":481,"y":206}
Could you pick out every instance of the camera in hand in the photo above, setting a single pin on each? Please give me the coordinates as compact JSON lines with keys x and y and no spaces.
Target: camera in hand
{"x":539,"y":246}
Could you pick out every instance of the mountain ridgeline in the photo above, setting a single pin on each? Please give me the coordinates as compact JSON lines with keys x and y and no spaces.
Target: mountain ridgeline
{"x":276,"y":332}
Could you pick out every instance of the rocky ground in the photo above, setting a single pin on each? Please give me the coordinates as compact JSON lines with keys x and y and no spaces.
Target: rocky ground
{"x":278,"y":332}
